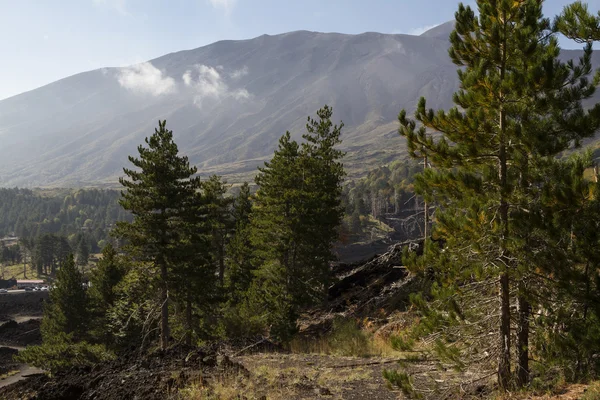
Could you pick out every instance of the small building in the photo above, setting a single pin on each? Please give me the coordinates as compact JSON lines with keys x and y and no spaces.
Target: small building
{"x":23,"y":283}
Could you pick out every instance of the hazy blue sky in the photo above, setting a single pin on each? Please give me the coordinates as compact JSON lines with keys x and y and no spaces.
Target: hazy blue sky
{"x":43,"y":40}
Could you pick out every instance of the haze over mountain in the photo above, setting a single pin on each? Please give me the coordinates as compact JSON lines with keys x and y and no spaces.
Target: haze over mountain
{"x":227,"y":103}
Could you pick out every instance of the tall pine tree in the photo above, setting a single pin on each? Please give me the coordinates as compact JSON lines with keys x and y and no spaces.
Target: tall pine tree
{"x":159,"y":193}
{"x":518,"y":105}
{"x":295,"y":223}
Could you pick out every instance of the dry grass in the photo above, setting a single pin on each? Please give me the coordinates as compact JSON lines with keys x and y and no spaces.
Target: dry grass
{"x":347,"y":338}
{"x":265,"y":383}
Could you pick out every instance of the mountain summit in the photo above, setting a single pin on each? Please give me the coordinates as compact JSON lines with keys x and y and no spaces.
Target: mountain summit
{"x":227,"y":103}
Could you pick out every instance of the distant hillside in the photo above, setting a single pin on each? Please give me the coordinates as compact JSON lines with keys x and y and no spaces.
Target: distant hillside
{"x":227,"y":103}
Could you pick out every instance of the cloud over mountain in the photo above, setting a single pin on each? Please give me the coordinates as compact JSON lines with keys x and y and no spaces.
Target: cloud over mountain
{"x":146,"y":79}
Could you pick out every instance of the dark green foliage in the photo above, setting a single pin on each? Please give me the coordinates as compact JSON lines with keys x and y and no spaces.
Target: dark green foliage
{"x":240,"y":266}
{"x":83,"y":251}
{"x":218,"y":220}
{"x":239,"y":250}
{"x":576,"y":23}
{"x":30,"y":214}
{"x":68,"y":309}
{"x":105,"y":278}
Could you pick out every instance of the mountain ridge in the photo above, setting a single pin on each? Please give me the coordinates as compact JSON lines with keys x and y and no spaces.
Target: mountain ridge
{"x":227,"y":103}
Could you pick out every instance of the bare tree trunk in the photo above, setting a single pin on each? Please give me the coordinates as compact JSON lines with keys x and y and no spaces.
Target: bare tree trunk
{"x":425,"y":208}
{"x":523,"y":341}
{"x":504,"y":356}
{"x":164,"y":308}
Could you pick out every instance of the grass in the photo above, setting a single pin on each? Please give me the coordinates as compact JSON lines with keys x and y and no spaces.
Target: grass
{"x":346,"y":339}
{"x":273,"y":382}
{"x":16,"y":271}
{"x":592,"y":392}
{"x":229,"y":387}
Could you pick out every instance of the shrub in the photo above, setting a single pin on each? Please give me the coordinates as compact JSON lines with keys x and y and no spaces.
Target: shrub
{"x":62,"y":353}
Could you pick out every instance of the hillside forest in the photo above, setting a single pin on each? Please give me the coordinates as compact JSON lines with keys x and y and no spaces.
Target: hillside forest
{"x":508,"y":297}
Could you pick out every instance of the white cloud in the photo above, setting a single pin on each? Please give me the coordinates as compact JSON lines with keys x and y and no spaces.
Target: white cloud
{"x":420,"y":30}
{"x":119,"y":5}
{"x":238,"y":73}
{"x":226,"y":5}
{"x":145,"y":78}
{"x":208,"y":84}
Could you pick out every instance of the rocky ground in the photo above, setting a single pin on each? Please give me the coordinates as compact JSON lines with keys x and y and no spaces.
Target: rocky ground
{"x":206,"y":373}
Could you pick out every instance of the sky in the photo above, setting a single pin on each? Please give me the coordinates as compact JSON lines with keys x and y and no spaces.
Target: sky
{"x":43,"y":41}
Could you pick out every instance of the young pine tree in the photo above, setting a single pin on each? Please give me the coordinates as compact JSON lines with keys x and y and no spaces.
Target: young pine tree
{"x":159,"y":193}
{"x":109,"y":272}
{"x":517,"y":107}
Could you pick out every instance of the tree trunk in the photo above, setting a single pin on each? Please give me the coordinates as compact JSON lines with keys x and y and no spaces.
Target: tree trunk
{"x":425,"y":208}
{"x":188,"y":320}
{"x":504,"y":356}
{"x":164,"y":308}
{"x":523,"y":342}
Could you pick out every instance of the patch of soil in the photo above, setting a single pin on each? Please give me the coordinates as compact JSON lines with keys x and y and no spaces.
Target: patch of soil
{"x":21,"y":334}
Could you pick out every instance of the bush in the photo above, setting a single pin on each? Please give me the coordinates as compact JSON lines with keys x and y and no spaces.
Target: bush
{"x":61,"y":353}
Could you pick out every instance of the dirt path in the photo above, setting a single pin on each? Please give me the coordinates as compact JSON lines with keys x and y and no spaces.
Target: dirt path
{"x":22,"y":318}
{"x":25,"y":370}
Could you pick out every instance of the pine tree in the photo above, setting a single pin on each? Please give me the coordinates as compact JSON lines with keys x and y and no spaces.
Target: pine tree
{"x":295,"y":222}
{"x":275,"y":237}
{"x":68,"y":311}
{"x":323,"y":177}
{"x":158,"y":193}
{"x":517,"y":106}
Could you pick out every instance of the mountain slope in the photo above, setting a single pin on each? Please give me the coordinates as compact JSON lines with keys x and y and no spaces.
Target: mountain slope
{"x":227,"y":103}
